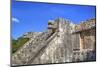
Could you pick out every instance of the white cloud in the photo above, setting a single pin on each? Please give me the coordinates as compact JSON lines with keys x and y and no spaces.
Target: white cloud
{"x":15,"y":20}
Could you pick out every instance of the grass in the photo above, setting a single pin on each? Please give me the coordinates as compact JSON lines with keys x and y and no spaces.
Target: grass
{"x":16,"y":44}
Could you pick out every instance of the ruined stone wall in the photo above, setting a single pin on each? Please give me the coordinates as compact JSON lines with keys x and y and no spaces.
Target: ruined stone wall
{"x":88,"y":37}
{"x":47,"y":47}
{"x":87,"y":50}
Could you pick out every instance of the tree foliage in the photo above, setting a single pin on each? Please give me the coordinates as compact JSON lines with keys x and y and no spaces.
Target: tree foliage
{"x":16,"y":44}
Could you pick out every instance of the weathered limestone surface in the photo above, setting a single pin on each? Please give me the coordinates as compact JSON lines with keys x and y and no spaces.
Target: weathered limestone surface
{"x":29,"y":50}
{"x":57,"y":45}
{"x":59,"y":49}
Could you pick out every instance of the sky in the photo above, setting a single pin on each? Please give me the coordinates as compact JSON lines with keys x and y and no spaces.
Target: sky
{"x":34,"y":16}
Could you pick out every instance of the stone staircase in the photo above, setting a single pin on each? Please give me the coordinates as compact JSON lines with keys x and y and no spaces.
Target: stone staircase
{"x":31,"y":49}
